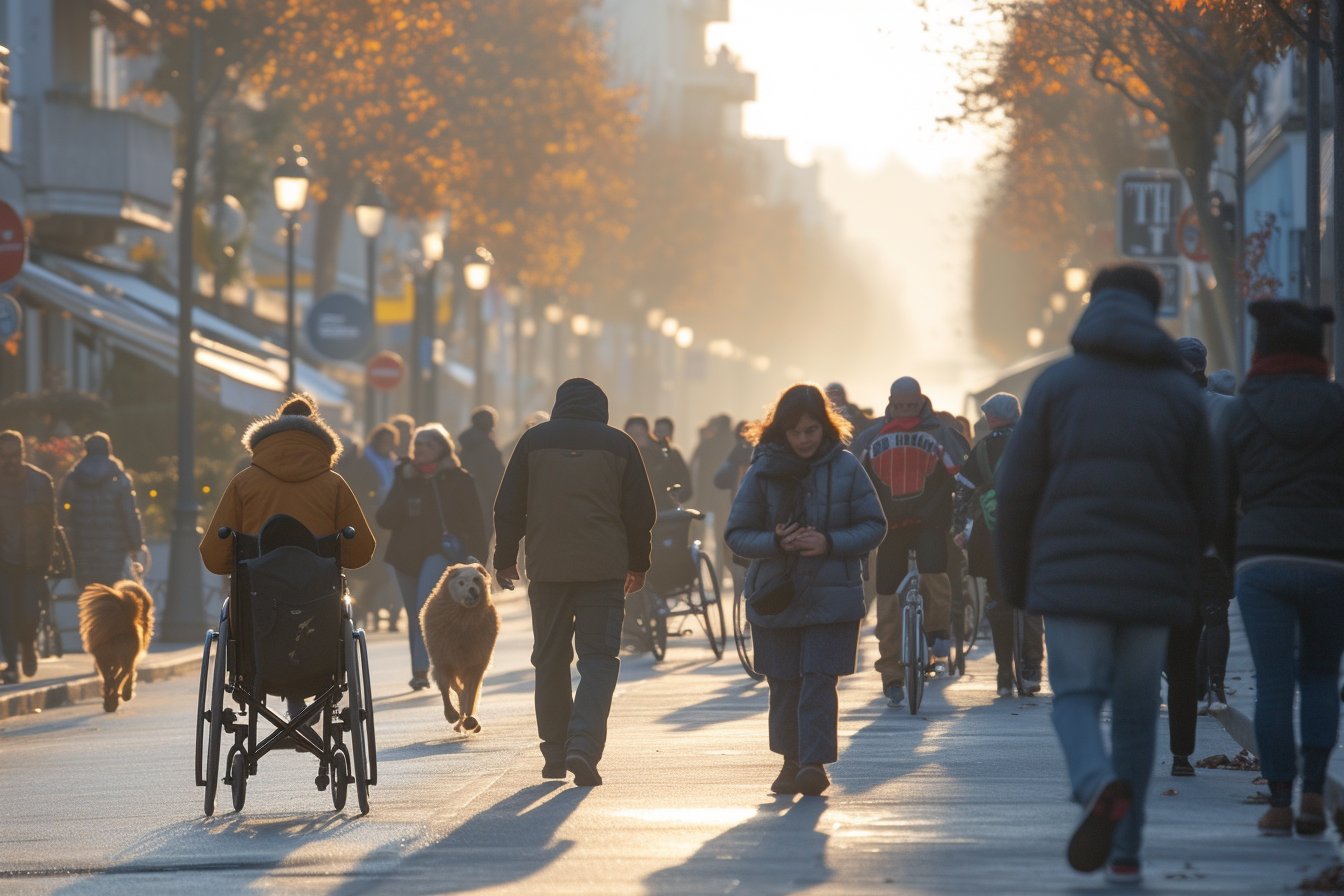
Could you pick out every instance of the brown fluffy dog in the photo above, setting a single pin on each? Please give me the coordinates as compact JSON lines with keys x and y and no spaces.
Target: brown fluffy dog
{"x":116,"y":624}
{"x":460,"y":625}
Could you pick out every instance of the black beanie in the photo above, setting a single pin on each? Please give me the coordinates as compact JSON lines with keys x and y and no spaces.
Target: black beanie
{"x":1288,"y":327}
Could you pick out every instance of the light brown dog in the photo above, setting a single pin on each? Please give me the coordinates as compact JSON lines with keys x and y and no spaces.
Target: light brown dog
{"x":461,"y":626}
{"x":116,"y":625}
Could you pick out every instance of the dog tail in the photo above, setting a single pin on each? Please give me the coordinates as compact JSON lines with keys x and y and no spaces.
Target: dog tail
{"x":106,"y":610}
{"x":144,"y":603}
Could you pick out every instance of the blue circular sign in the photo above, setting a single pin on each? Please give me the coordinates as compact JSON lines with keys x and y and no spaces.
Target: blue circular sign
{"x":11,"y":317}
{"x":339,"y":326}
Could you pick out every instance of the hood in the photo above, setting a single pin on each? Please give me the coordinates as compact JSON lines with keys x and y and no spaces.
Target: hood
{"x":1296,"y":410}
{"x":925,"y":412}
{"x":580,"y":399}
{"x":291,"y":447}
{"x":96,"y":469}
{"x":1119,"y":324}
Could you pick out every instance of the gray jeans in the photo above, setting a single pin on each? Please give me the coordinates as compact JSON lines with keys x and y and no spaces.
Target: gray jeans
{"x":569,"y":617}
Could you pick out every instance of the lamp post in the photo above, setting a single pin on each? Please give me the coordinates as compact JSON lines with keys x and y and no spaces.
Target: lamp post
{"x":425,"y":399}
{"x":476,"y":275}
{"x":291,"y":194}
{"x":370,"y":214}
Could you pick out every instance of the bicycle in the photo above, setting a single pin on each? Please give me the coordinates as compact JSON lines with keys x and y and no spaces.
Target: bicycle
{"x":742,"y":633}
{"x":914,"y":644}
{"x":48,"y":632}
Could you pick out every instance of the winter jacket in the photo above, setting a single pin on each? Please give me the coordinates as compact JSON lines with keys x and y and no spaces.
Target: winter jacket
{"x":1281,"y":446}
{"x":1105,"y":491}
{"x":291,"y":473}
{"x":913,"y":463}
{"x":577,"y":490}
{"x":979,"y":472}
{"x":97,"y":508}
{"x":485,"y":463}
{"x":838,"y":499}
{"x":32,"y":504}
{"x":665,"y":468}
{"x":420,"y":509}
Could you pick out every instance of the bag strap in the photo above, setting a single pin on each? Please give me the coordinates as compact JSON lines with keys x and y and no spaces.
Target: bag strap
{"x":443,"y":517}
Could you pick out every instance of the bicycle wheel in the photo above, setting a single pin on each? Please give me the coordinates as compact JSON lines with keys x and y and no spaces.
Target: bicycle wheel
{"x":960,"y":648}
{"x":975,"y":609}
{"x":742,"y":636}
{"x":710,"y":609}
{"x":914,"y":654}
{"x":1019,"y":643}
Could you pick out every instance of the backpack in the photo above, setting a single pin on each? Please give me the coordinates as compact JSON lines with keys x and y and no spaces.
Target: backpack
{"x":986,"y":495}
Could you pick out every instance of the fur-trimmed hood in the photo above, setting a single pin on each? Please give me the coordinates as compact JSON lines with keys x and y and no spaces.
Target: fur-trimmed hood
{"x":292,"y":447}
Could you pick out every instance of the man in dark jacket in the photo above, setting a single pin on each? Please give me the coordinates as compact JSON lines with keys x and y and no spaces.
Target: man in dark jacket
{"x":483,"y":460}
{"x":663,"y":469}
{"x":97,"y":508}
{"x":1105,"y":503}
{"x":577,"y":490}
{"x":27,"y":520}
{"x":913,"y":459}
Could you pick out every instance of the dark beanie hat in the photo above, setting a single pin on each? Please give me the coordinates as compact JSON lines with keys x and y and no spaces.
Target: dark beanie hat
{"x":1193,"y":353}
{"x":1288,"y":327}
{"x":97,"y":444}
{"x":906,"y":385}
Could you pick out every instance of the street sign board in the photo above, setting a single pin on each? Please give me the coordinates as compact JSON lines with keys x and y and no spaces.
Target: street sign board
{"x":13,"y":242}
{"x":1147,"y":202}
{"x":385,"y":370}
{"x":339,"y":326}
{"x":1171,"y":274}
{"x":11,"y":317}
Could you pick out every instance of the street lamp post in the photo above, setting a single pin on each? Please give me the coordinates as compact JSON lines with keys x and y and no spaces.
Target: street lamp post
{"x":370,"y":213}
{"x":476,"y":275}
{"x":291,"y":194}
{"x":425,"y":399}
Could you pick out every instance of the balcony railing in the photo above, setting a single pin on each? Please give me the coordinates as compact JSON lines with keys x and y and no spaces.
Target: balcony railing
{"x":97,"y":163}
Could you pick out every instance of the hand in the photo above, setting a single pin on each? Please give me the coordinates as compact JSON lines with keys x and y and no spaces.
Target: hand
{"x":634,"y":581}
{"x":959,"y":540}
{"x":784,"y":535}
{"x":810,"y":542}
{"x":507,"y":576}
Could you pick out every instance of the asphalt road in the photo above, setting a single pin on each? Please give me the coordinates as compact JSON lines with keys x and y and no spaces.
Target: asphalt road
{"x":967,"y":797}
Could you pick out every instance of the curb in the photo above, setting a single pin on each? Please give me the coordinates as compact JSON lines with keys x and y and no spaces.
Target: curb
{"x":72,"y":690}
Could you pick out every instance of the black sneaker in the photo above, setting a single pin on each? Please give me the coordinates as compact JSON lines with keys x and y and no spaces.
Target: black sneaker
{"x":786,"y":780}
{"x":812,"y":780}
{"x":1181,"y":767}
{"x":1090,"y":845}
{"x":585,"y":773}
{"x":29,"y":654}
{"x":10,"y":675}
{"x":553,"y":768}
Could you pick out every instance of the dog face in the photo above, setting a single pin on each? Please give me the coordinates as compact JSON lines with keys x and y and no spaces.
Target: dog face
{"x":469,"y":584}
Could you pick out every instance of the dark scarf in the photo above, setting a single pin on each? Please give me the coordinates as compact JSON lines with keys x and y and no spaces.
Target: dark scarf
{"x":1283,"y":364}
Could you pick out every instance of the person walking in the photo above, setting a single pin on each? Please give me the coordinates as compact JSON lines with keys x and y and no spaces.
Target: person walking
{"x":1207,"y":623}
{"x":482,"y":459}
{"x":370,"y":475}
{"x":668,"y":476}
{"x":1105,"y":503}
{"x":716,"y":443}
{"x":434,"y":516}
{"x":576,"y":488}
{"x":1281,"y":447}
{"x":1002,"y":410}
{"x":805,"y":515}
{"x":27,"y":524}
{"x":913,"y":459}
{"x":97,"y":509}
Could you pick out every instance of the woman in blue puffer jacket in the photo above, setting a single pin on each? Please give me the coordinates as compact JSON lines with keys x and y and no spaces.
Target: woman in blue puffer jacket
{"x":804,"y":516}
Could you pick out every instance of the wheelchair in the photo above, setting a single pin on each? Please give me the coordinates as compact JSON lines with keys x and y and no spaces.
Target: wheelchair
{"x":681,"y":582}
{"x":286,"y":629}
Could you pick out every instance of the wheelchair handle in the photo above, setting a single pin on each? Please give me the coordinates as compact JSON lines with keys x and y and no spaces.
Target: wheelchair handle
{"x":348,"y":533}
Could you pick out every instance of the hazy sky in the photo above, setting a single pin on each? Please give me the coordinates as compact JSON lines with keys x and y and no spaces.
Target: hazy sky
{"x":868,"y":80}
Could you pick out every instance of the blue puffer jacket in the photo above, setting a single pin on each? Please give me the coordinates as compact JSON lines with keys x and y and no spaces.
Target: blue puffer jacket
{"x":1106,"y":489}
{"x":839,"y":500}
{"x":100,"y":518}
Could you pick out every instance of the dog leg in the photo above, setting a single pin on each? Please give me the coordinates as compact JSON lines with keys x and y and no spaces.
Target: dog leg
{"x":445,"y":683}
{"x":109,"y":673}
{"x":128,"y":684}
{"x":471,"y":698}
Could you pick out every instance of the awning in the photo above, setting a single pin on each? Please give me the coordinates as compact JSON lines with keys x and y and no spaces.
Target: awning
{"x":263,"y":363}
{"x":248,"y":382}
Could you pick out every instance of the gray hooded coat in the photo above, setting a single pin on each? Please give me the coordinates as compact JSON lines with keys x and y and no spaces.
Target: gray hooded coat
{"x":98,"y":511}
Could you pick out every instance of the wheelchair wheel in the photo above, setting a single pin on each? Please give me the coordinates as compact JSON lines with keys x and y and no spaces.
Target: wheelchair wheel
{"x":216,"y":719}
{"x":914,"y":655}
{"x":742,"y":636}
{"x":354,"y":713}
{"x":711,"y":606}
{"x":238,"y":776}
{"x":340,"y":776}
{"x":202,"y":717}
{"x":370,"y":742}
{"x":655,"y":624}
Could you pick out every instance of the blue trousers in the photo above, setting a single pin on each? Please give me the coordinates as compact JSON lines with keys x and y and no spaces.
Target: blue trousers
{"x":1294,"y":615}
{"x":1092,"y":661}
{"x":414,"y":591}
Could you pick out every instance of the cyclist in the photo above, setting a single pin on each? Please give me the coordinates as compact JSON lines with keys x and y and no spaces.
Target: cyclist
{"x":913,"y":459}
{"x":978,"y":513}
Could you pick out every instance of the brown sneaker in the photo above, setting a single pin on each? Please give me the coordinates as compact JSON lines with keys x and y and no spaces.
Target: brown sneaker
{"x":1310,"y":816}
{"x":29,"y":649}
{"x":786,"y":780}
{"x":1277,"y":822}
{"x":811,"y":780}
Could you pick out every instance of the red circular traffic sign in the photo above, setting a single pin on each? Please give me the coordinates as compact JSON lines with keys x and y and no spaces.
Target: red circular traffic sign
{"x":13,"y":242}
{"x":385,"y":370}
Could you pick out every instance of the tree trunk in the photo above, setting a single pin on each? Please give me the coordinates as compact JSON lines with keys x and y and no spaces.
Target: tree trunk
{"x":327,"y":237}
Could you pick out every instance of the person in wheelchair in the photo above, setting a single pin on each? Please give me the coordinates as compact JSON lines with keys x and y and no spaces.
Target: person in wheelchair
{"x":293,"y":452}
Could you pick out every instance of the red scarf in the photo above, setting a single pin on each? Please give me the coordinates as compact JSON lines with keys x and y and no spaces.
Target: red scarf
{"x":1283,"y":364}
{"x":902,"y":424}
{"x":427,"y":469}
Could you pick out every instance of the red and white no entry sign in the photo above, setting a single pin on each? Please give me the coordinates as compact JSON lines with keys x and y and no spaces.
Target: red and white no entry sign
{"x":385,"y":370}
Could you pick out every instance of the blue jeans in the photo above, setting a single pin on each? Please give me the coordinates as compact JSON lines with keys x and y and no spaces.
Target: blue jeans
{"x":1091,"y":661}
{"x":1294,"y":615}
{"x":414,"y":591}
